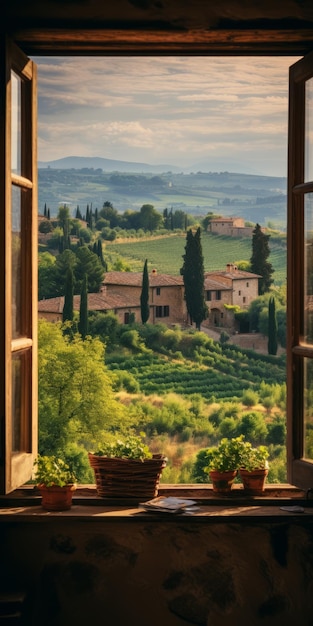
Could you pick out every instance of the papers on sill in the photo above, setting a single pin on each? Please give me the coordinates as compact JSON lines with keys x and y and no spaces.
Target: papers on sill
{"x":171,"y":504}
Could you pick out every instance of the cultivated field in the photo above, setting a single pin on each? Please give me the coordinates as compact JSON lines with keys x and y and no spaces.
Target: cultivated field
{"x":165,"y":253}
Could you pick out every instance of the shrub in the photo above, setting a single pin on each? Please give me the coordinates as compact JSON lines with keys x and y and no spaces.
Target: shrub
{"x":250,"y":397}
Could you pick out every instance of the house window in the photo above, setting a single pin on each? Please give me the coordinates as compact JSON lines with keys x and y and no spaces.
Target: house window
{"x":239,"y":292}
{"x":218,"y":295}
{"x":209,"y":295}
{"x":158,"y":291}
{"x":247,"y":284}
{"x":126,"y":317}
{"x":244,"y":299}
{"x":19,"y":268}
{"x":162,"y":311}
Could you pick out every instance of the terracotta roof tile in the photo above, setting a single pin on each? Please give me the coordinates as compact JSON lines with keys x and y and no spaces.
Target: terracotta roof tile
{"x":96,"y":302}
{"x":134,"y":279}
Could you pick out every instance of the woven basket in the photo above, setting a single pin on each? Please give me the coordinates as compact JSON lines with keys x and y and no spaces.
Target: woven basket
{"x":127,"y":478}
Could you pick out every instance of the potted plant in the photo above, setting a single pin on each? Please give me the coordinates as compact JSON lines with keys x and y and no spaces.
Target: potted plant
{"x":55,"y":482}
{"x":253,"y":468}
{"x":223,"y":463}
{"x":125,"y":467}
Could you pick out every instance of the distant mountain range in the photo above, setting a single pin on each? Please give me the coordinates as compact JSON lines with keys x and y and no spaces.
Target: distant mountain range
{"x":107,"y":165}
{"x":78,"y":181}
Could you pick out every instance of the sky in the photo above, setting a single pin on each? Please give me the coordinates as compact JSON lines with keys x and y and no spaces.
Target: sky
{"x":196,"y":113}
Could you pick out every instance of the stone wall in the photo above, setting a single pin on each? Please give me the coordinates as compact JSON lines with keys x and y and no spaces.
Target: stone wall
{"x":149,"y":573}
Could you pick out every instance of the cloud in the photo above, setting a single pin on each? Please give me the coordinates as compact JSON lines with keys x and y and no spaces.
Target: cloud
{"x":164,"y":109}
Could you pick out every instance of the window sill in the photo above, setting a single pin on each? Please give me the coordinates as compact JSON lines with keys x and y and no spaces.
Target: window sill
{"x":24,"y":505}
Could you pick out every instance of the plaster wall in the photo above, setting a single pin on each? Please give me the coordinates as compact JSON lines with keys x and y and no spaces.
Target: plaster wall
{"x":150,"y":573}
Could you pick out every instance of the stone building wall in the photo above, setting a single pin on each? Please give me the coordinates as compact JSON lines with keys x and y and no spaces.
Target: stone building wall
{"x":151,"y":573}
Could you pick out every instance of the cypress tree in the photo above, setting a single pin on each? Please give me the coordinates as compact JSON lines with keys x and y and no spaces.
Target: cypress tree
{"x":144,"y":297}
{"x":272,"y":327}
{"x":258,"y":261}
{"x":83,"y":309}
{"x":193,"y":275}
{"x":48,"y":213}
{"x":100,"y":255}
{"x":68,"y":311}
{"x":45,"y":211}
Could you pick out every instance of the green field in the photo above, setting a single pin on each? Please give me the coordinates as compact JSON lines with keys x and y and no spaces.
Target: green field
{"x":165,"y":254}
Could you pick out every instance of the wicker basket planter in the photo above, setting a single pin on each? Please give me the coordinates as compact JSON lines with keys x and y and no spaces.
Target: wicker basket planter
{"x":127,"y":478}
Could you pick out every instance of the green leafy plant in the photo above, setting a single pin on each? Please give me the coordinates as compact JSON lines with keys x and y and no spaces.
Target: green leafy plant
{"x":52,"y":471}
{"x":226,"y":456}
{"x":131,"y":447}
{"x":253,"y":458}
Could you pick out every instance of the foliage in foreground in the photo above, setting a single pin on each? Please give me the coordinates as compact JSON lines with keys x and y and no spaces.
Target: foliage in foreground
{"x":184,"y":400}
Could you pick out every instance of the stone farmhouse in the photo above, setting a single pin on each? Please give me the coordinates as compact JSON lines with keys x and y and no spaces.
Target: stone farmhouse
{"x":51,"y":309}
{"x":232,"y":287}
{"x":120,"y":293}
{"x":230,"y":226}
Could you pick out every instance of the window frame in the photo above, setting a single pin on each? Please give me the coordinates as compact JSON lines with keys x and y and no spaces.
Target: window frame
{"x":16,"y":467}
{"x":300,"y":472}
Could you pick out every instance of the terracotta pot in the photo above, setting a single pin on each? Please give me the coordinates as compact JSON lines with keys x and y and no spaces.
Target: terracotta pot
{"x":253,"y":482}
{"x":56,"y":498}
{"x":222,"y":481}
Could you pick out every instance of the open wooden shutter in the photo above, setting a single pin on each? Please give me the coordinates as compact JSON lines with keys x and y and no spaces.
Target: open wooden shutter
{"x":300,"y":275}
{"x":18,"y":250}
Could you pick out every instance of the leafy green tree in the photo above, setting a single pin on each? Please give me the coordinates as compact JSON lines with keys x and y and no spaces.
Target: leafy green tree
{"x":272,"y":327}
{"x":83,"y":309}
{"x":109,"y":213}
{"x":193,"y":275}
{"x":144,"y":296}
{"x":64,"y":261}
{"x":259,"y":263}
{"x":253,"y":427}
{"x":75,"y":396}
{"x":45,"y":226}
{"x":46,"y":275}
{"x":68,"y":309}
{"x":90,"y":264}
{"x":64,"y":218}
{"x":150,"y":218}
{"x":105,"y":326}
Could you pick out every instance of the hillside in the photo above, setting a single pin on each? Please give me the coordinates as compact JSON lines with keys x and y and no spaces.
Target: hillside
{"x":165,"y":254}
{"x":255,"y":198}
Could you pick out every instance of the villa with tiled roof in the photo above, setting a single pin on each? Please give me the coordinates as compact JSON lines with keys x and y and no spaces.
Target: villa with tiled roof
{"x":230,"y":226}
{"x":231,"y":286}
{"x":166,"y":294}
{"x":120,"y":293}
{"x":52,"y":308}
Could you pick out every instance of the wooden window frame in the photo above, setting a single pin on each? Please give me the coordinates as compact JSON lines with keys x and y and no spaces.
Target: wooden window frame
{"x":16,"y":465}
{"x":300,"y":472}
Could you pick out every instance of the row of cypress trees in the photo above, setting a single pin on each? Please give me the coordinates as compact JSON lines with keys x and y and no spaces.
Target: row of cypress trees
{"x":68,"y":308}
